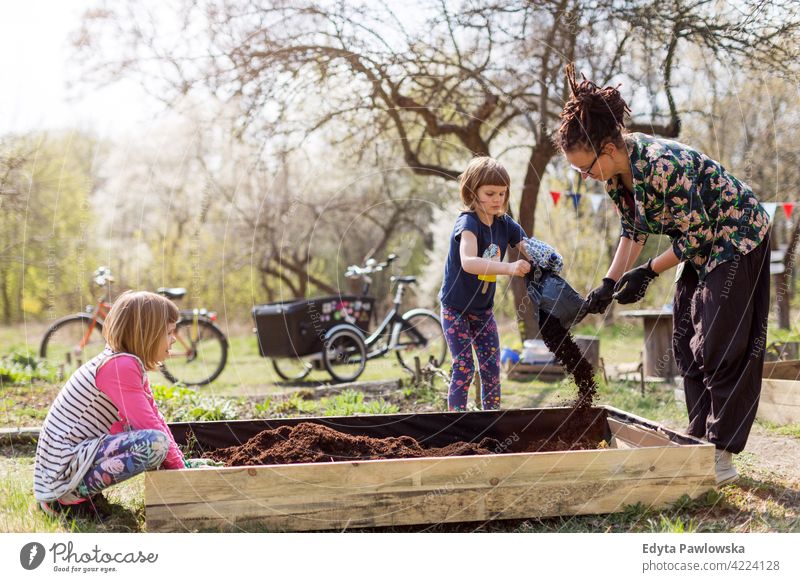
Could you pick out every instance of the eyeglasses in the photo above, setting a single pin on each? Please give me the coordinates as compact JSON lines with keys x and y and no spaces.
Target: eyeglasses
{"x":589,"y":169}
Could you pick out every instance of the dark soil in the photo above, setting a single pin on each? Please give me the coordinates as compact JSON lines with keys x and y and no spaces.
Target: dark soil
{"x":560,"y":341}
{"x":310,"y":442}
{"x":583,"y":429}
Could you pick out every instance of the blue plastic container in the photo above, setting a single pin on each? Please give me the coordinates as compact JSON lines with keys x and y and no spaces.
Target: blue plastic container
{"x":508,"y":355}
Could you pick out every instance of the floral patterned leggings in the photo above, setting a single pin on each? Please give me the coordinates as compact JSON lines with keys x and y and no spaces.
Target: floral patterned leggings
{"x":463,"y":332}
{"x":122,"y":456}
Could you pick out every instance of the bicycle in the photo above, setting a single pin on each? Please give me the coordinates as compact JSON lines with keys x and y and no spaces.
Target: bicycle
{"x":197,"y":358}
{"x":330,"y":333}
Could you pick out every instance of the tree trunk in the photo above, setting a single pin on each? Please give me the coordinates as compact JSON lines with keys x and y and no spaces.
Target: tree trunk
{"x":540,"y":157}
{"x":783,"y":281}
{"x":6,"y":300}
{"x":610,"y":317}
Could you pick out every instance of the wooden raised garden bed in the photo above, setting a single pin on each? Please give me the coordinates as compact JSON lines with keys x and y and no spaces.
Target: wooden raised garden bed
{"x":780,"y":392}
{"x":641,"y":462}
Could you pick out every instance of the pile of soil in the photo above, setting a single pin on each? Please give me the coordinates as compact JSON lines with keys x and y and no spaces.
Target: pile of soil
{"x":560,"y":341}
{"x":310,"y":442}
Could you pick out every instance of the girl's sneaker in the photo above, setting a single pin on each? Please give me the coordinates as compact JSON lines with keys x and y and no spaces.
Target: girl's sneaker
{"x":95,"y":507}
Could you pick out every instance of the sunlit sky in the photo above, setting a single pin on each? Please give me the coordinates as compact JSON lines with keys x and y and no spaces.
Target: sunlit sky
{"x":34,"y":61}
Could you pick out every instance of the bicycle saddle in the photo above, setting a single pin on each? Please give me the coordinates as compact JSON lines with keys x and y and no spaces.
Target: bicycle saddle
{"x":171,"y":293}
{"x":404,"y":279}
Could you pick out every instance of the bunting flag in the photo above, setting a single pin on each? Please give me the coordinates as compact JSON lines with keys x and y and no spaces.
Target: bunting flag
{"x":771,"y":208}
{"x":596,"y":201}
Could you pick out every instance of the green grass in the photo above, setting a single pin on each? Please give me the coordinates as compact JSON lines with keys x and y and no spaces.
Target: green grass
{"x":23,"y":367}
{"x":788,"y":430}
{"x":26,"y":404}
{"x":351,"y":402}
{"x":19,"y":511}
{"x":181,"y":404}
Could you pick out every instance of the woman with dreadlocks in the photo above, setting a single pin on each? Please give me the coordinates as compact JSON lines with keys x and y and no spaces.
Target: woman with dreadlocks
{"x":720,"y":243}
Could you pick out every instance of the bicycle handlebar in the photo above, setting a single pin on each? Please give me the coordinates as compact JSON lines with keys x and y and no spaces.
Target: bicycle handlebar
{"x":369,"y":267}
{"x":103,"y":276}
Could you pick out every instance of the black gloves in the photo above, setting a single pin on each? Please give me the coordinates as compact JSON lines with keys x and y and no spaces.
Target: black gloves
{"x":632,"y":285}
{"x":630,"y":288}
{"x":598,"y":300}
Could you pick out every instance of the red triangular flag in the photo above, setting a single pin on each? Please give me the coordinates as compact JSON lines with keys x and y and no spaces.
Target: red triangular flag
{"x":555,"y":196}
{"x":787,"y":208}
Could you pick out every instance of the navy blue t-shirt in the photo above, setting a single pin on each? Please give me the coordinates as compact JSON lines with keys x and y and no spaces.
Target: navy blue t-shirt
{"x":464,"y":291}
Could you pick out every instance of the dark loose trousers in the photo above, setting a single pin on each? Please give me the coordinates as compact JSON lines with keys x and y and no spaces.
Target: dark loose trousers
{"x":719,"y":332}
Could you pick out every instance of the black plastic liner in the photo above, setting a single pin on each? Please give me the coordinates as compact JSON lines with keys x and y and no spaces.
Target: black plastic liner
{"x":437,"y":429}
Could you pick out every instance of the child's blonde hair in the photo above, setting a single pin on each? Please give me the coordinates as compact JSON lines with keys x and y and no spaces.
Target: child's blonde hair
{"x":483,"y":171}
{"x":136,"y":324}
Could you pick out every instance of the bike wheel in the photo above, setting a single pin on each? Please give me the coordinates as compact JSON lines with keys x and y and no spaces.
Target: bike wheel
{"x":344,"y":355}
{"x":422,"y":337}
{"x":198,"y":355}
{"x":292,"y":368}
{"x":71,"y":342}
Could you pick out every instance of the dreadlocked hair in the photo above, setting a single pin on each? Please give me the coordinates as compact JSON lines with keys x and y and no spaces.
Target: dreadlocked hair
{"x":592,"y":117}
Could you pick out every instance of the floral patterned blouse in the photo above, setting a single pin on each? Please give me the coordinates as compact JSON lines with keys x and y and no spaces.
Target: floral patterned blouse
{"x":709,"y":214}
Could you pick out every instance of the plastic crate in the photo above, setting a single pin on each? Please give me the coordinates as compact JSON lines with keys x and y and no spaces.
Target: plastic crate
{"x":297,"y":328}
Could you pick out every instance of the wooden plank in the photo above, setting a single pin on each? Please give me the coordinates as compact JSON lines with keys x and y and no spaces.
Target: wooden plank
{"x":541,"y":376}
{"x":778,"y":413}
{"x":424,"y":475}
{"x":537,"y":368}
{"x":365,"y":491}
{"x":786,"y":370}
{"x":779,"y":401}
{"x":646,"y":313}
{"x":19,"y":436}
{"x":638,"y":436}
{"x":541,"y":500}
{"x":540,"y":371}
{"x":785,"y":392}
{"x":368,"y":387}
{"x":629,"y":417}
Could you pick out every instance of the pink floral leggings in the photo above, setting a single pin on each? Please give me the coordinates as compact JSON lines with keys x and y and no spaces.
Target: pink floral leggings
{"x":123,"y":455}
{"x":463,"y":332}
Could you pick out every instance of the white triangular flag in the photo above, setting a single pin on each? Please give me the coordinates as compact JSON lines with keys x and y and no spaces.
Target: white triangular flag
{"x":771,"y":208}
{"x":597,"y":199}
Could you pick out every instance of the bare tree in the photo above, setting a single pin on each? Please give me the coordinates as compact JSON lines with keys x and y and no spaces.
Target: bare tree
{"x":755,"y":131}
{"x":443,"y":82}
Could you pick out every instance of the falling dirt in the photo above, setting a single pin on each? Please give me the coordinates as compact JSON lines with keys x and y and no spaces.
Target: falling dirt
{"x":560,"y":341}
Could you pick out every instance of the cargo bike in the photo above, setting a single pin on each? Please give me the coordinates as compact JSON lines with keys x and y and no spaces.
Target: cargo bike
{"x":332,"y":333}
